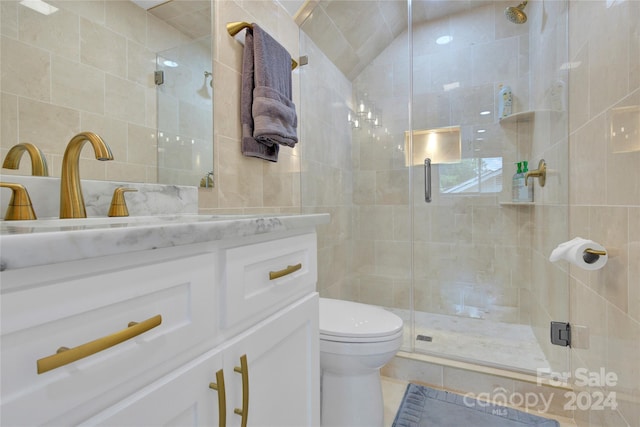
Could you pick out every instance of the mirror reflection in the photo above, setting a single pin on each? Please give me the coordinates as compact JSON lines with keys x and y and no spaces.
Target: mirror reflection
{"x":136,"y":73}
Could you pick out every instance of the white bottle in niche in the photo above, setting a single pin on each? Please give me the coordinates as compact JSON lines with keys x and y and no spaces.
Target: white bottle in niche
{"x":517,"y":184}
{"x":505,"y":102}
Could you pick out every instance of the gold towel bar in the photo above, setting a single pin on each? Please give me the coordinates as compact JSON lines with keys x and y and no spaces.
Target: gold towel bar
{"x":234,"y":28}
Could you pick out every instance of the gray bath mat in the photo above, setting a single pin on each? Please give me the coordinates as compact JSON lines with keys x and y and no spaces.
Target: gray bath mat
{"x":426,"y":407}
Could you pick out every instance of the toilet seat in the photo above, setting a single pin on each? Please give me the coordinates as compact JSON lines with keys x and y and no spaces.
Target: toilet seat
{"x":351,"y":322}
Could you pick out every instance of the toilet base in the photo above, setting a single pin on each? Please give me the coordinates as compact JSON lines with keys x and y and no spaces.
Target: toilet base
{"x":352,"y":400}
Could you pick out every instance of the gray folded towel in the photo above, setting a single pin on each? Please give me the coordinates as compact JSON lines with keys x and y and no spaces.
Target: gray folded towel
{"x":268,"y":115}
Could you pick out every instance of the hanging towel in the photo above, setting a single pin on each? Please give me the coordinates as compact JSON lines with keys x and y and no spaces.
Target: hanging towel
{"x":267,"y":113}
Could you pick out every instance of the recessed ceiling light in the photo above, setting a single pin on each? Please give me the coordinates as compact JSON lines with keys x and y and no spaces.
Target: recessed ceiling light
{"x":444,"y":39}
{"x":39,"y":6}
{"x":481,"y":130}
{"x":485,"y":113}
{"x":170,"y":63}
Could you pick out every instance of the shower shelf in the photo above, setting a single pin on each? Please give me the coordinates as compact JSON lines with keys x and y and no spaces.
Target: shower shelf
{"x":526,"y":116}
{"x":517,"y":203}
{"x":523,"y":116}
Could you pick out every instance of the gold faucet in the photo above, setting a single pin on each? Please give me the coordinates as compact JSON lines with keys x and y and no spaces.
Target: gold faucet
{"x":38,"y":161}
{"x":20,"y":204}
{"x":71,"y":200}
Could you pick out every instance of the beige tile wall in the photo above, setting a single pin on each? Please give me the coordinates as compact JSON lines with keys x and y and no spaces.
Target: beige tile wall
{"x":327,"y":172}
{"x":470,"y":254}
{"x":605,"y":201}
{"x":245,"y":184}
{"x":87,"y":67}
{"x":546,"y":292}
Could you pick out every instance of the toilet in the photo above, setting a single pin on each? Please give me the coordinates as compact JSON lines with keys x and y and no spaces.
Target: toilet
{"x":356,"y":340}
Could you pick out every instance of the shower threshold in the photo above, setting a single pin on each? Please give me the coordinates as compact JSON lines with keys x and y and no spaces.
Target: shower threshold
{"x":487,"y":342}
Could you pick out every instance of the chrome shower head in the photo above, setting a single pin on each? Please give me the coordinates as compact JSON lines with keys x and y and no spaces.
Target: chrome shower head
{"x":204,"y":91}
{"x":516,"y":14}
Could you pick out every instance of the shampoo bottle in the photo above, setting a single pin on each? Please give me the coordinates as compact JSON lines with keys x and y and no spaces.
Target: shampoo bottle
{"x":505,"y":102}
{"x":526,"y":192}
{"x":517,"y":183}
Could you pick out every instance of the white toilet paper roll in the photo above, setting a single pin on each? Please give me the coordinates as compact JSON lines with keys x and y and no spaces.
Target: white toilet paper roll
{"x":573,"y":251}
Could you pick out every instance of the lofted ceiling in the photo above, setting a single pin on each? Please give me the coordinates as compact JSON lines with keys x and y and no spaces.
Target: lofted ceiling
{"x":354,"y":32}
{"x":190,"y":17}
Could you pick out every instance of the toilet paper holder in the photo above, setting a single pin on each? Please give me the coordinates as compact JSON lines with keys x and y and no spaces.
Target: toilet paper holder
{"x":592,"y":255}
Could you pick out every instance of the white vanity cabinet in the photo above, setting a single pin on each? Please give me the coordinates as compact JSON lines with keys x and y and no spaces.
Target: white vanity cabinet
{"x":281,"y":387}
{"x":197,"y":310}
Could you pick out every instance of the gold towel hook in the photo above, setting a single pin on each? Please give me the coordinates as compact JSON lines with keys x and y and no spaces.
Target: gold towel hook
{"x":234,"y":28}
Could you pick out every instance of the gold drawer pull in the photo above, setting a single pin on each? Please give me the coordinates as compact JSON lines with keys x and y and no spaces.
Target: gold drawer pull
{"x":222,"y":398}
{"x":64,"y":355}
{"x":244,"y":370}
{"x":280,"y":273}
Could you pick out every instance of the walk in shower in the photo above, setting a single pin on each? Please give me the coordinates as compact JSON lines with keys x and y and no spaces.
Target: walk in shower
{"x":468,"y":268}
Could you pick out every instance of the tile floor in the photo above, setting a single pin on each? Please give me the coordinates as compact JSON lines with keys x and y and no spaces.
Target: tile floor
{"x":499,"y":344}
{"x":393,"y":391}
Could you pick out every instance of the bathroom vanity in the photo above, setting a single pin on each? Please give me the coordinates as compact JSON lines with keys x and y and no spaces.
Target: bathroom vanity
{"x":168,"y":320}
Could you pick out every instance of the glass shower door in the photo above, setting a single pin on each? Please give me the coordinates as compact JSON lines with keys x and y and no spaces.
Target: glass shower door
{"x":484,"y":289}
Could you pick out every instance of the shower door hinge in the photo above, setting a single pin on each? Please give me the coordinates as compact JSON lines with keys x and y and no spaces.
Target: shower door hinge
{"x":561,"y":334}
{"x":158,"y":77}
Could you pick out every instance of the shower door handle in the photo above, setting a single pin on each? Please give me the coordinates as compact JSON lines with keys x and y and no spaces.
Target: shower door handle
{"x":427,"y":180}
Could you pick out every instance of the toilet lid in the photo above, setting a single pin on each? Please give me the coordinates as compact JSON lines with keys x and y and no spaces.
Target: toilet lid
{"x":350,"y":319}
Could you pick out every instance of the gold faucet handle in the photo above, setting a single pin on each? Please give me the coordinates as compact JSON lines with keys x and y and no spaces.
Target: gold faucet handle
{"x":118,"y":203}
{"x":20,"y":204}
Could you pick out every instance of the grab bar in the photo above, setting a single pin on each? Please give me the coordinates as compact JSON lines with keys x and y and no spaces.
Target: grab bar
{"x":427,"y":180}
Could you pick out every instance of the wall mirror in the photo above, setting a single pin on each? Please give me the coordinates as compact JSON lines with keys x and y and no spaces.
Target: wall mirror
{"x":137,"y":74}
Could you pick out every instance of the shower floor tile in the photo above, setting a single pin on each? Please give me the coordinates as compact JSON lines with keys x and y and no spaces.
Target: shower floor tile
{"x":499,"y":344}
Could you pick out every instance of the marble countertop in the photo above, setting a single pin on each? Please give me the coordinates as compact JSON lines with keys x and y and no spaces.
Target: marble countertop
{"x":30,"y":243}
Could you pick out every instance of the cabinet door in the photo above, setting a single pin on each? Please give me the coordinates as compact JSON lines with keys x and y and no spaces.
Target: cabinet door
{"x":86,"y":307}
{"x":282,"y":354}
{"x":182,"y":398}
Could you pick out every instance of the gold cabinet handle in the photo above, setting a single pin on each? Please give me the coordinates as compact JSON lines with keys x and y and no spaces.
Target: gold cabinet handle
{"x":222,"y":398}
{"x":243,"y":369}
{"x":280,"y":273}
{"x":64,"y":355}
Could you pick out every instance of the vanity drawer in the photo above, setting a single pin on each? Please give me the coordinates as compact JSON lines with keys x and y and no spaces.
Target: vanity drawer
{"x":37,"y":320}
{"x":261,"y":278}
